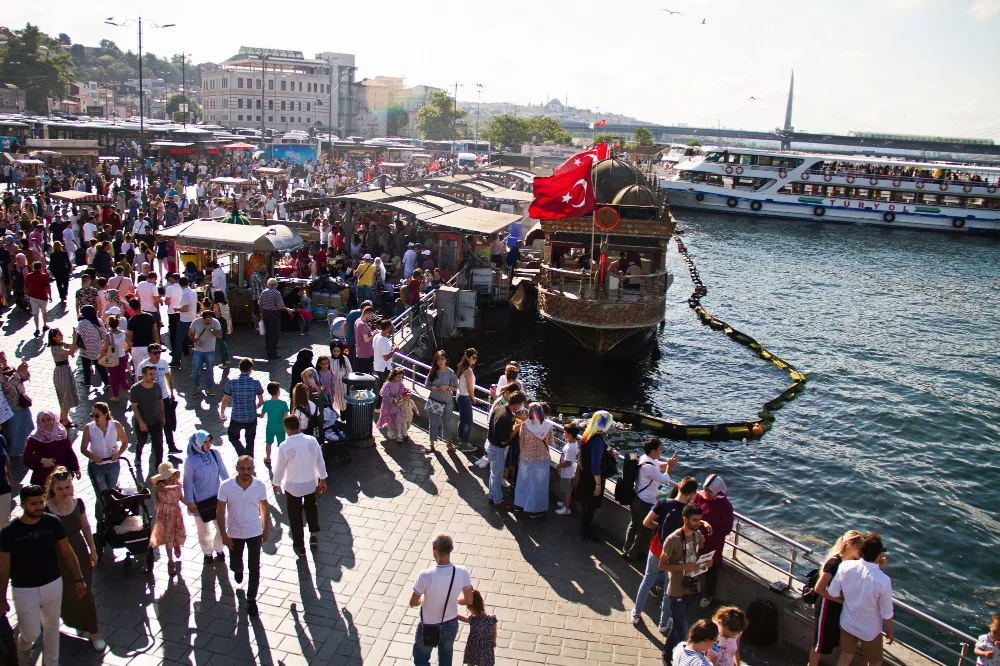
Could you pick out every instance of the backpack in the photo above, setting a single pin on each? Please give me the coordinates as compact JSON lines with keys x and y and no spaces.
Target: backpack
{"x":625,"y":489}
{"x":763,"y":623}
{"x":809,"y":589}
{"x":609,"y":466}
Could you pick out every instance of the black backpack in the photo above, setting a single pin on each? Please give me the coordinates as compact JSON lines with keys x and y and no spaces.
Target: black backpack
{"x":762,"y":618}
{"x":809,"y":589}
{"x":625,"y":490}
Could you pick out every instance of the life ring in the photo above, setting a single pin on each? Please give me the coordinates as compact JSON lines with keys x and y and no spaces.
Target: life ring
{"x":991,"y":189}
{"x":782,"y":174}
{"x":920,"y":184}
{"x":889,"y":217}
{"x":755,"y":206}
{"x":943,"y":187}
{"x":828,"y":178}
{"x":732,"y":202}
{"x":699,"y":197}
{"x":850,"y":179}
{"x":958,"y":223}
{"x":896,"y":182}
{"x":729,"y":169}
{"x":873,"y":181}
{"x":967,"y":188}
{"x":739,"y":170}
{"x":805,"y":175}
{"x":819,"y":211}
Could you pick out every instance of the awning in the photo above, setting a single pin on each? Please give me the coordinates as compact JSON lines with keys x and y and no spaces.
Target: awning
{"x":228,"y":180}
{"x":30,"y":161}
{"x":513,"y":172}
{"x":171,"y":144}
{"x":77,"y":197}
{"x":434,"y":208}
{"x":272,"y":171}
{"x":482,"y":186}
{"x":240,"y":146}
{"x":508,"y":194}
{"x":222,"y":237}
{"x":478,"y":220}
{"x":392,"y":165}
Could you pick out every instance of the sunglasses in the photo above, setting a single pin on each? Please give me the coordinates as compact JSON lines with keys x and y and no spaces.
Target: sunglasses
{"x":154,"y":353}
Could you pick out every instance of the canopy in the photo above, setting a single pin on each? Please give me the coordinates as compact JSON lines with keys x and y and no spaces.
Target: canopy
{"x":45,"y":153}
{"x":478,"y":220}
{"x":524,"y":176}
{"x":30,"y":161}
{"x":223,"y":237}
{"x":171,"y":144}
{"x":239,"y":146}
{"x":392,"y":165}
{"x":481,"y":185}
{"x":227,"y":180}
{"x":77,"y":197}
{"x":272,"y":171}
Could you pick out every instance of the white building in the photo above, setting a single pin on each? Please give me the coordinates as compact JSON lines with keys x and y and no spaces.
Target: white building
{"x":282,"y":89}
{"x":342,"y":94}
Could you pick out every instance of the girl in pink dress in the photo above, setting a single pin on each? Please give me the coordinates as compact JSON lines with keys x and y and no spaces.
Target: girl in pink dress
{"x":168,"y":528}
{"x":391,"y":416}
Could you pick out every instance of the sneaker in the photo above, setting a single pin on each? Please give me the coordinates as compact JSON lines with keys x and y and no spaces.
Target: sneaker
{"x":483,"y":462}
{"x":466,"y":447}
{"x":705,"y":602}
{"x":560,"y":504}
{"x":634,"y":618}
{"x":564,"y":511}
{"x":252,"y":608}
{"x":665,"y":630}
{"x":238,"y":576}
{"x":99,"y":644}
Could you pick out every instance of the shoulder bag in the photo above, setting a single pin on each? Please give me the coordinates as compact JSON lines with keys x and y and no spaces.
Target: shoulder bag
{"x":431,"y":633}
{"x":207,"y":507}
{"x":110,"y":359}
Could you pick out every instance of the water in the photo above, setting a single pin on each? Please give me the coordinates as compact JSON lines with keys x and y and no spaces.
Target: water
{"x":897,"y":429}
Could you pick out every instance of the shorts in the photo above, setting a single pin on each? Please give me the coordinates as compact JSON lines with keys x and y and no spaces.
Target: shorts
{"x":870,"y":651}
{"x":565,"y":484}
{"x":38,"y":305}
{"x":274,"y":434}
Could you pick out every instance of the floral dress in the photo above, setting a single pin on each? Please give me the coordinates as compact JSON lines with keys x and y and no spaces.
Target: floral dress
{"x":168,"y":529}
{"x":391,"y":416}
{"x":334,"y":382}
{"x":479,"y":646}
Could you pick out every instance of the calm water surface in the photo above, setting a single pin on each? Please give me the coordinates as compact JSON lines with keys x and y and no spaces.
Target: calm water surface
{"x":898,"y":428}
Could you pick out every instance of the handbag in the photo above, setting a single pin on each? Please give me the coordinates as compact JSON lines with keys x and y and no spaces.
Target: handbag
{"x":434,"y":407}
{"x":206,"y":509}
{"x":23,"y":401}
{"x":110,"y":359}
{"x":430,"y":634}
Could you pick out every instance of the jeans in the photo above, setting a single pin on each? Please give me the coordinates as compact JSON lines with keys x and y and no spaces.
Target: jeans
{"x":234,"y":430}
{"x":446,"y":646}
{"x":103,"y":476}
{"x":155,"y":435}
{"x":680,"y":609}
{"x":649,"y":579}
{"x":464,"y":418}
{"x":439,"y":425}
{"x":364,"y":294}
{"x":206,"y":359}
{"x":498,"y":459}
{"x":117,"y":376}
{"x":637,"y":536}
{"x":253,"y":562}
{"x":177,"y":343}
{"x":295,"y":506}
{"x":37,"y":610}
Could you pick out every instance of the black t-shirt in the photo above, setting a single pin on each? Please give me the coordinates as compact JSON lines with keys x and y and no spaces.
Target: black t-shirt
{"x":668,"y":517}
{"x":141,"y":325}
{"x":832,"y":564}
{"x":33,"y":551}
{"x":501,"y":426}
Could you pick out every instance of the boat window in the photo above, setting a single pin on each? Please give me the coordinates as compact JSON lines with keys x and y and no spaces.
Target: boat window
{"x":713,"y":157}
{"x":745,"y":159}
{"x":882,"y":195}
{"x":927,"y":199}
{"x":903,"y":197}
{"x":861,"y":192}
{"x":838,"y":191}
{"x":951,"y":201}
{"x":975,"y":202}
{"x":713,"y":179}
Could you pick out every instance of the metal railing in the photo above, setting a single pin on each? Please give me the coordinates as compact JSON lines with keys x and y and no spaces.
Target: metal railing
{"x":864,"y":178}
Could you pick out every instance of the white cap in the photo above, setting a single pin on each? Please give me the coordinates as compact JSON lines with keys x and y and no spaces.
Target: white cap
{"x":368,"y":257}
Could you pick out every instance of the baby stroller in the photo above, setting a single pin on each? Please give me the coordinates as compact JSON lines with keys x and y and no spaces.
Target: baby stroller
{"x":334,"y":439}
{"x":125,"y":521}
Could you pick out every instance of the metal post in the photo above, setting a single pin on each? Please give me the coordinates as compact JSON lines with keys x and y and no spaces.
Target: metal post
{"x":142,"y":134}
{"x":184,"y":88}
{"x":263,"y":106}
{"x":736,"y":539}
{"x":791,"y":567}
{"x":964,"y":660}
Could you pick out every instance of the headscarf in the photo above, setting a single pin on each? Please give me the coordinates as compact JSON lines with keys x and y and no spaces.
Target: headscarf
{"x":715,"y":484}
{"x":196,"y":444}
{"x":600,"y":422}
{"x":302,"y":361}
{"x":536,"y":422}
{"x":51,"y":434}
{"x":380,"y":267}
{"x":89,"y":313}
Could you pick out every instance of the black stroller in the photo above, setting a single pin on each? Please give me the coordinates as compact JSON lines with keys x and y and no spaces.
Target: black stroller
{"x":125,"y":522}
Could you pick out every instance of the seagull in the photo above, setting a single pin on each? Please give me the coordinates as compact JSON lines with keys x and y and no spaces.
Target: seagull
{"x":671,"y":12}
{"x":752,"y":97}
{"x":703,"y":21}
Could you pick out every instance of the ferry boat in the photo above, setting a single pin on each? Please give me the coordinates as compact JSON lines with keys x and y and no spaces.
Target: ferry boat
{"x":601,"y":305}
{"x":839,"y":188}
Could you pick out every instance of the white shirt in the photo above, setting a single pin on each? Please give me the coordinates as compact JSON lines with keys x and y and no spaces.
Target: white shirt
{"x":188,"y":297}
{"x":243,"y":507}
{"x":433,"y":584}
{"x":383,"y":346}
{"x":173,"y":296}
{"x":569,"y":453}
{"x":147,"y":293}
{"x":410,"y":260}
{"x":69,"y":239}
{"x":867,"y":595}
{"x":140,"y":227}
{"x":649,"y":478}
{"x":89,"y":229}
{"x":682,"y":656}
{"x":162,"y":368}
{"x":103,"y":444}
{"x":987,"y":644}
{"x":218,"y":280}
{"x":300,"y":465}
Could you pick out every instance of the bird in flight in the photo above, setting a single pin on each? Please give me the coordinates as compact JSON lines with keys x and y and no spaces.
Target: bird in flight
{"x":703,"y":21}
{"x":671,"y":12}
{"x":752,"y":97}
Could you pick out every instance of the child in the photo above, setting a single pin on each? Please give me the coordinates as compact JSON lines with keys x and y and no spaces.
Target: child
{"x":986,"y":646}
{"x":391,"y":416}
{"x":409,"y":410}
{"x":732,"y":622}
{"x":567,"y":467}
{"x":482,"y":633}
{"x":168,"y":528}
{"x":275,"y":410}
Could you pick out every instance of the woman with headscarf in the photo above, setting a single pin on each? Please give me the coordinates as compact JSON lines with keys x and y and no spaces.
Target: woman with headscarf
{"x":332,"y":378}
{"x":303,"y":360}
{"x":718,"y":513}
{"x":531,"y":493}
{"x":588,"y":487}
{"x":94,"y":343}
{"x":378,"y":284}
{"x":49,"y":447}
{"x":204,"y":472}
{"x":18,"y":273}
{"x":17,"y":427}
{"x":60,"y":268}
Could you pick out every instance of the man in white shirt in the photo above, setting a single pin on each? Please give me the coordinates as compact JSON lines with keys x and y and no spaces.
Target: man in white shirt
{"x":384,"y":351}
{"x":439,"y":588}
{"x":867,"y":594}
{"x":300,"y":473}
{"x":409,"y":261}
{"x":242,"y":515}
{"x":149,"y":296}
{"x":165,"y":381}
{"x":172,"y":298}
{"x":140,"y":227}
{"x":187,"y":312}
{"x":69,"y":241}
{"x":269,"y":205}
{"x":219,"y":279}
{"x":652,"y":473}
{"x":89,"y":229}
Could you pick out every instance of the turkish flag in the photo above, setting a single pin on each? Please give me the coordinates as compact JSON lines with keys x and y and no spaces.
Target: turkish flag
{"x":566,"y":194}
{"x":601,"y":123}
{"x":595,"y":154}
{"x":433,"y":166}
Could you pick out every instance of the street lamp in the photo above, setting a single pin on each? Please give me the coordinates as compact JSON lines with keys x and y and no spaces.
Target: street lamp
{"x":479,"y":104}
{"x":263,"y":106}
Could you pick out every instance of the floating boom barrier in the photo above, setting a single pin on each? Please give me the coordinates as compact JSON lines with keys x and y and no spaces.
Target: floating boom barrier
{"x":708,"y":431}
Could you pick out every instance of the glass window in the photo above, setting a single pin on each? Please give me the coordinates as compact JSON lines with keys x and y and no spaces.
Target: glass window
{"x":239,"y":117}
{"x":308,"y":106}
{"x":282,"y":119}
{"x":270,"y":119}
{"x":239,"y":84}
{"x":270,"y":105}
{"x":927,"y":199}
{"x":300,"y":86}
{"x":948,"y":200}
{"x":258,"y":118}
{"x":300,"y":106}
{"x":258,"y":84}
{"x":282,"y":85}
{"x":975,"y":202}
{"x":308,"y":120}
{"x":239,"y":103}
{"x":258,"y":105}
{"x":282,"y":105}
{"x":270,"y":84}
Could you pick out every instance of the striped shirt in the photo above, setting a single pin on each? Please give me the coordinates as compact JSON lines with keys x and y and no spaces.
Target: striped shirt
{"x":270,"y":299}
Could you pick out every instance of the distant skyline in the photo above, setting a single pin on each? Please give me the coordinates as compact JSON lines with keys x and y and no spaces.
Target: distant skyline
{"x":892,"y":66}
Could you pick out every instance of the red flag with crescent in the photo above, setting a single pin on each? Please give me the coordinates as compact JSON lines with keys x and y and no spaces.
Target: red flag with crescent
{"x":595,"y":154}
{"x":566,"y":194}
{"x":433,"y":166}
{"x":601,"y":123}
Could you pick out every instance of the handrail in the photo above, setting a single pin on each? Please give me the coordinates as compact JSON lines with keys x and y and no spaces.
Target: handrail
{"x":864,"y":175}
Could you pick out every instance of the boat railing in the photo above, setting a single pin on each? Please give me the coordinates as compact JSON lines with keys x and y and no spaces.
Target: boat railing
{"x":582,"y":284}
{"x":427,"y":301}
{"x":865,"y":178}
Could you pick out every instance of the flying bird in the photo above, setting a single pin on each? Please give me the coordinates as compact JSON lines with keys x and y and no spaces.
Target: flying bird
{"x":671,"y":12}
{"x":703,"y":21}
{"x":752,"y":97}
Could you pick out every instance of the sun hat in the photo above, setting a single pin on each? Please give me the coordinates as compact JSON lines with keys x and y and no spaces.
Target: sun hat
{"x":166,"y":471}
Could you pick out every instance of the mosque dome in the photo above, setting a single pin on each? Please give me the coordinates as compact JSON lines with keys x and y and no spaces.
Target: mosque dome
{"x":611,"y":176}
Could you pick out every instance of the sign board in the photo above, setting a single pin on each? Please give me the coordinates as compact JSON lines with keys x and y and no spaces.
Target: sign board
{"x":95,"y":111}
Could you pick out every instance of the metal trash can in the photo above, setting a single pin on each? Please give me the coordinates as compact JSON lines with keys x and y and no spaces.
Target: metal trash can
{"x":360,"y":401}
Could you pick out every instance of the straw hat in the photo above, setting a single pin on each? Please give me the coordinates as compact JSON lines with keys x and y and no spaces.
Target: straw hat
{"x":166,"y":471}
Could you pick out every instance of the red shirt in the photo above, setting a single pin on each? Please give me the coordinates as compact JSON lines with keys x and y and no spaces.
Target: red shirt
{"x":36,"y":283}
{"x":320,"y":259}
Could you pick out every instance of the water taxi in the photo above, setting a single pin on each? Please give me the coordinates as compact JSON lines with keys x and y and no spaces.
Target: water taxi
{"x":839,"y":188}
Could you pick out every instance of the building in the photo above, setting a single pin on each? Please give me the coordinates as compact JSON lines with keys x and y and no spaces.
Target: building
{"x":382,"y":92}
{"x":281,"y":89}
{"x":11,"y":98}
{"x":342,"y":107}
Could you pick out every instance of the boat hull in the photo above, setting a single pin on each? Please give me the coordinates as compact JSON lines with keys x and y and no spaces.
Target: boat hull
{"x":601,"y":326}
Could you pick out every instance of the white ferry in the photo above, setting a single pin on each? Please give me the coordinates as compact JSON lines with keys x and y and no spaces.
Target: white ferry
{"x":839,"y":188}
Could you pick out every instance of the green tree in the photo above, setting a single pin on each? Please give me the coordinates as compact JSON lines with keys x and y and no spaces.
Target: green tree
{"x":79,"y":54}
{"x":173,"y":106}
{"x":32,"y":60}
{"x":438,"y":119}
{"x":64,"y":39}
{"x":108,"y":45}
{"x":608,"y":138}
{"x":693,"y":142}
{"x":507,"y":131}
{"x":643,"y":136}
{"x":396,"y":118}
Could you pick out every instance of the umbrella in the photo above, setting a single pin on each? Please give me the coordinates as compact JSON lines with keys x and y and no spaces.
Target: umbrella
{"x":235,"y":217}
{"x":239,"y":146}
{"x":45,"y":153}
{"x":257,"y":154}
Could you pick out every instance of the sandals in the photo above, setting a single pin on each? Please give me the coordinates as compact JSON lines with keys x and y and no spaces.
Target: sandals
{"x":313,"y":542}
{"x":451,"y":447}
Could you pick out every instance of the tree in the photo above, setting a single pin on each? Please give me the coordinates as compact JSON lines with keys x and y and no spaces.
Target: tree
{"x":507,"y":131}
{"x":79,"y":54}
{"x":693,"y":142}
{"x":396,"y":118}
{"x":643,"y":136}
{"x":108,"y":45}
{"x":174,"y":103}
{"x":64,"y":39}
{"x":608,"y":138}
{"x":543,"y":128}
{"x":438,"y":119}
{"x":32,"y":60}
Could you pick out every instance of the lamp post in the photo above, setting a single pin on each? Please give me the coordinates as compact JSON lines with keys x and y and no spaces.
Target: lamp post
{"x":479,"y":104}
{"x":454,"y":120}
{"x":263,"y":106}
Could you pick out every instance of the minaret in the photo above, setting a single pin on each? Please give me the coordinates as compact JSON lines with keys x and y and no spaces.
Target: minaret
{"x":786,"y":144}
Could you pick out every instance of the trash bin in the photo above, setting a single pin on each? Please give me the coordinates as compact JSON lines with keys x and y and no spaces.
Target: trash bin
{"x":360,"y":401}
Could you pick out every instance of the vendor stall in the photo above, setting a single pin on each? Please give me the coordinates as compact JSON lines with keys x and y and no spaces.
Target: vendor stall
{"x":81,"y":198}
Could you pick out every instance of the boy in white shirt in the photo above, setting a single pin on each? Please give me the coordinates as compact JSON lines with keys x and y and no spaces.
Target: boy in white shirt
{"x":567,"y":467}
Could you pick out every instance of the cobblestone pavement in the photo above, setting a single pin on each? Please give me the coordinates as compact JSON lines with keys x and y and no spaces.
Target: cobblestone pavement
{"x":559,"y":601}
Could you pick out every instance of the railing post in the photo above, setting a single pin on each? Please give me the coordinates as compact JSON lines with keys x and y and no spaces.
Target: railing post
{"x":964,"y":659}
{"x":736,"y":540}
{"x":791,"y":567}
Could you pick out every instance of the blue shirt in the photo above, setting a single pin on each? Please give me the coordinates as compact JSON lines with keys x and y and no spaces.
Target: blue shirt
{"x":352,"y":317}
{"x":243,"y":392}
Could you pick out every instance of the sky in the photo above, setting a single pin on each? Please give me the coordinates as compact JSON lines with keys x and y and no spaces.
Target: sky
{"x":893,"y":66}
